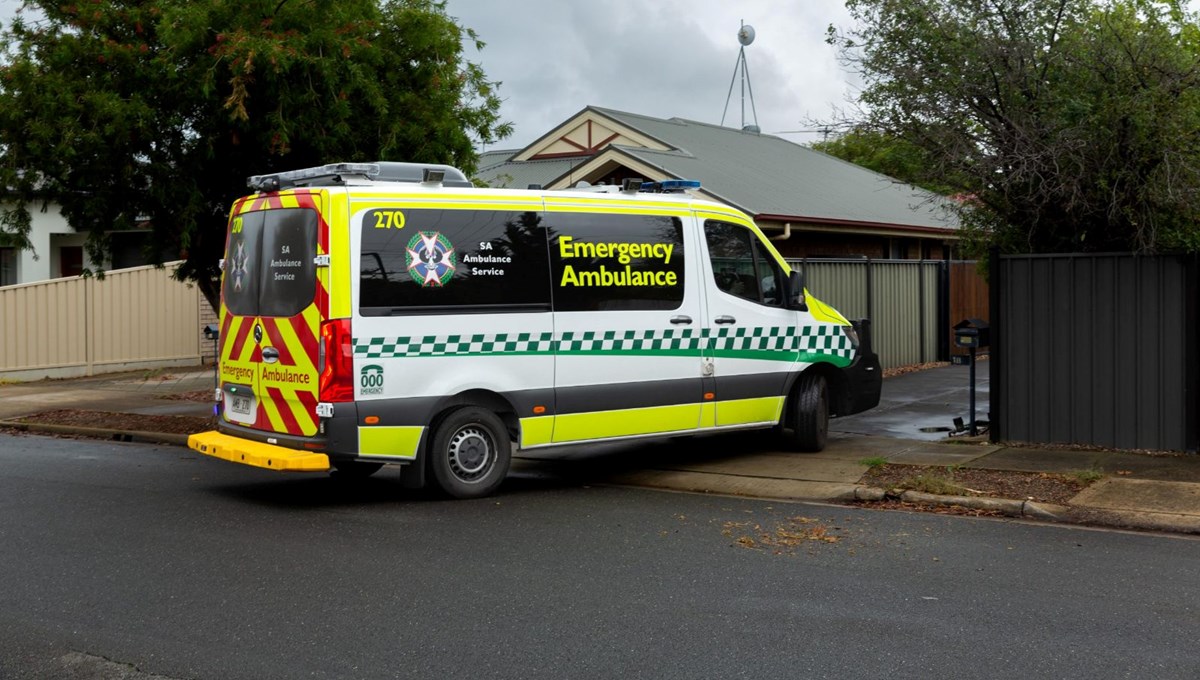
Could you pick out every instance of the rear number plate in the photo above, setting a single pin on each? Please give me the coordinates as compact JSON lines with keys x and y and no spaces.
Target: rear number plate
{"x":240,"y":405}
{"x":240,"y":408}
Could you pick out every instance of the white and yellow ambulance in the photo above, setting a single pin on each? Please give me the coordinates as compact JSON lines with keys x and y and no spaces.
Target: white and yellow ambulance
{"x":391,"y":313}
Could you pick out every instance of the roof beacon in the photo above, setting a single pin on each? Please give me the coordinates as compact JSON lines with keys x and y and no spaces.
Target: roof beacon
{"x":670,"y":186}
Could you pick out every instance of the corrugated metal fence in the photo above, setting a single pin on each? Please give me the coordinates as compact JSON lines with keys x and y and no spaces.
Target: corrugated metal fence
{"x":1095,"y":349}
{"x":131,"y":319}
{"x":908,"y":302}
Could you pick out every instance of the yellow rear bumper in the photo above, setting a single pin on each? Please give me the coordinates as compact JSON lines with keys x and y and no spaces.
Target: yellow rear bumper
{"x":238,"y":450}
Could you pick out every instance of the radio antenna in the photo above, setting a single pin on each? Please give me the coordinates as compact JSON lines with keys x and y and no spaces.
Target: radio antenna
{"x":745,"y":37}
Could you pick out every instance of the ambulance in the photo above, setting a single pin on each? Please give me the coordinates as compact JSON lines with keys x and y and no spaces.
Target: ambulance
{"x":394,"y":314}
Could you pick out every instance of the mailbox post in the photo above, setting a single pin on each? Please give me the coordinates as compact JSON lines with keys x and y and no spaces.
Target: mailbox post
{"x":213,"y":333}
{"x":972,"y":334}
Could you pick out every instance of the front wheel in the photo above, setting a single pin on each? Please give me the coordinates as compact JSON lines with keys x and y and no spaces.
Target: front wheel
{"x":810,"y":414}
{"x":470,"y":453}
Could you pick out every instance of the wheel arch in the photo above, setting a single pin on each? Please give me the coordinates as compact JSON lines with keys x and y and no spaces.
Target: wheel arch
{"x":836,"y":382}
{"x":492,"y":401}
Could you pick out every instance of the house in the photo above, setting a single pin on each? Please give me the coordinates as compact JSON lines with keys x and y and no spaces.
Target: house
{"x":59,"y":251}
{"x":809,"y":204}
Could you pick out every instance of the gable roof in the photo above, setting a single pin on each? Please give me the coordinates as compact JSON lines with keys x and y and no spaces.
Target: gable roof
{"x":763,"y":175}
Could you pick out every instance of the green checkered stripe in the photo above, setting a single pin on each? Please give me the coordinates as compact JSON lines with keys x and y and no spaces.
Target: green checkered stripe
{"x":820,"y":339}
{"x":453,"y":345}
{"x":641,"y":342}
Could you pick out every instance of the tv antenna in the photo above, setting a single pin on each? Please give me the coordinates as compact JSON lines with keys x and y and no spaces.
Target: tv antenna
{"x":745,"y":37}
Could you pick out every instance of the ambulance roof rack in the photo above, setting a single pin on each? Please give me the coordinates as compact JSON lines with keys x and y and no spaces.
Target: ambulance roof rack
{"x":430,"y":174}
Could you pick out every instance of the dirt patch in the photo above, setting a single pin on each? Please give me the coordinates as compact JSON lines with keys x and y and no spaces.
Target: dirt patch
{"x":195,"y":395}
{"x":1036,"y":486}
{"x":125,"y":422}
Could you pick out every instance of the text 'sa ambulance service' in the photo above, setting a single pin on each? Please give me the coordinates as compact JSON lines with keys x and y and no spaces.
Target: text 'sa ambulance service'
{"x":391,"y":313}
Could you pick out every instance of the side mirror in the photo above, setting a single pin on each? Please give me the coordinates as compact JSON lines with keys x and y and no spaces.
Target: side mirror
{"x":795,"y":292}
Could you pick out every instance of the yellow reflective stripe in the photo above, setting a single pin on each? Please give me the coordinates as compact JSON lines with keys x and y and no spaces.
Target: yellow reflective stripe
{"x":626,"y":422}
{"x":338,"y":282}
{"x":446,"y":202}
{"x":708,"y":414}
{"x":737,"y":217}
{"x":823,"y":312}
{"x":289,"y":200}
{"x":258,"y":454}
{"x":584,"y":199}
{"x":390,"y":441}
{"x":743,"y":411}
{"x":536,"y":431}
{"x":619,"y":209}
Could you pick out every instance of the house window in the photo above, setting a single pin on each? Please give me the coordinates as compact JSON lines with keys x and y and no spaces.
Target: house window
{"x":70,"y":261}
{"x":8,"y":266}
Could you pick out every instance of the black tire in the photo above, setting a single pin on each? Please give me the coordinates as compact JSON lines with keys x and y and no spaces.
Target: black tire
{"x":810,"y":414}
{"x":470,"y":453}
{"x":355,"y":469}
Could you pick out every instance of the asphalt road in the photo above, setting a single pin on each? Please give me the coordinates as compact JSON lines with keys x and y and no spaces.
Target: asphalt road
{"x":137,"y":561}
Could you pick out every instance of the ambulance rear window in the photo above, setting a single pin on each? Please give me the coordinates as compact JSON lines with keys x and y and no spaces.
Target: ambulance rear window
{"x":269,"y":269}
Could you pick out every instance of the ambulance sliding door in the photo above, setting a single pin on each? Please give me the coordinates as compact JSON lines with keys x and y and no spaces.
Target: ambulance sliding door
{"x":627,"y":325}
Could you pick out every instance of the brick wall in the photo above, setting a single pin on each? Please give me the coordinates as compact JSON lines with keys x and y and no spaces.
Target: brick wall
{"x":207,"y":317}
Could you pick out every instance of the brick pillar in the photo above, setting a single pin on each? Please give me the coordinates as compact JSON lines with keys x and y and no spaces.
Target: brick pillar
{"x":207,"y":317}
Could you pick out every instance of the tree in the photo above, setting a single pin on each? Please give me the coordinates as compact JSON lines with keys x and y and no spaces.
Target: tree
{"x":1066,"y":124}
{"x":128,"y":112}
{"x":884,"y":154}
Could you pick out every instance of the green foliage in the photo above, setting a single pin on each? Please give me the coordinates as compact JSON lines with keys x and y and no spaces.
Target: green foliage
{"x":928,"y":483}
{"x":125,"y":111}
{"x":886,"y":155}
{"x":873,"y":462}
{"x":1063,"y":125}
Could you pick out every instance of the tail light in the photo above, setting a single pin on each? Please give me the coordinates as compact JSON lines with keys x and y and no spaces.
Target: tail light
{"x":335,"y":361}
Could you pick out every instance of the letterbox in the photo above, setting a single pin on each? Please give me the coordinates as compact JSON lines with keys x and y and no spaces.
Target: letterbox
{"x":972,"y":333}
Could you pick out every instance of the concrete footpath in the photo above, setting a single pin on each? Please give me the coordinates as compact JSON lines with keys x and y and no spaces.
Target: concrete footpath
{"x":909,"y":427}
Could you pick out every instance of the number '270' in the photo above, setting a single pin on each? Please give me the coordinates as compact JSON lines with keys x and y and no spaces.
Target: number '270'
{"x":386,"y":219}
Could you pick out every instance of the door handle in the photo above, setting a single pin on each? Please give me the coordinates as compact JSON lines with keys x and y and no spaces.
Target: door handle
{"x":682,"y":318}
{"x":725,"y":319}
{"x":270,"y":355}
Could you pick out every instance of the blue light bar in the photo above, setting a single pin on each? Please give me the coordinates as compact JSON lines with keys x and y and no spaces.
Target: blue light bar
{"x":671,"y":185}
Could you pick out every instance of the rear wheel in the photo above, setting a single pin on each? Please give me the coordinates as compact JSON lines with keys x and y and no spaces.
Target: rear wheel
{"x":470,"y":453}
{"x":810,"y":414}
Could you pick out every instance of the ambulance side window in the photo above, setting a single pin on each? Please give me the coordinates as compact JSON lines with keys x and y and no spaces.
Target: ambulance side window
{"x":602,"y":261}
{"x":448,"y":261}
{"x":741,"y":264}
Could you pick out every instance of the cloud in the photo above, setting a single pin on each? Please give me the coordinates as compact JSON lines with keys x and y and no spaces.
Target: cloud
{"x":664,"y":58}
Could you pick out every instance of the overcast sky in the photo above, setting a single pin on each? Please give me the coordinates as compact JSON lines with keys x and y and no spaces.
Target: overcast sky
{"x":661,"y":58}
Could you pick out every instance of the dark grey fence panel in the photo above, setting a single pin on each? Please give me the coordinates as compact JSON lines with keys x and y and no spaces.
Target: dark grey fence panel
{"x":1094,"y":349}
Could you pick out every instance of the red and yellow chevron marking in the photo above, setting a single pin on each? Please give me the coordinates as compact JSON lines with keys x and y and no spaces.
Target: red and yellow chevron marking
{"x":286,"y":390}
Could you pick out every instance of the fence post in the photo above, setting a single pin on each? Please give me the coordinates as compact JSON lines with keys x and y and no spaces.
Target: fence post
{"x":1191,"y":325}
{"x":870,"y":293}
{"x":921,"y":307}
{"x":995,"y":352}
{"x":943,"y":323}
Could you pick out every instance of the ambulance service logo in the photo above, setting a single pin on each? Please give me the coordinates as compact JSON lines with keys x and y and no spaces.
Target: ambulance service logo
{"x":430,"y":259}
{"x":239,"y":266}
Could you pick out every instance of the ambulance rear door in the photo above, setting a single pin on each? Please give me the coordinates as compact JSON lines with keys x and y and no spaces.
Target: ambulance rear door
{"x":272,"y":298}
